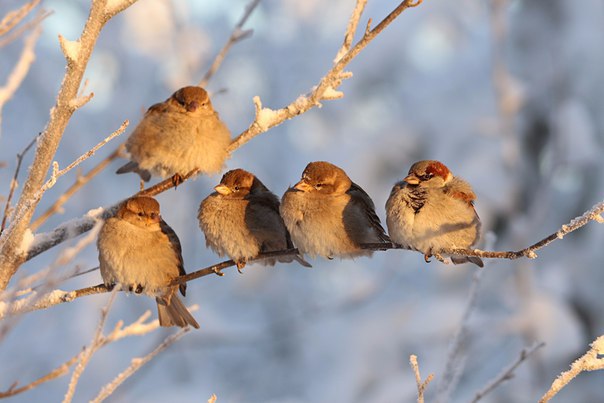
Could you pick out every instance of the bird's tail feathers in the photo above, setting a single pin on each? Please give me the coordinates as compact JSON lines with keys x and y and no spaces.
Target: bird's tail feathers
{"x":174,"y":313}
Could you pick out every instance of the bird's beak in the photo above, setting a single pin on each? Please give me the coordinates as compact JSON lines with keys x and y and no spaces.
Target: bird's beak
{"x":222,"y":189}
{"x":411,"y":179}
{"x":303,"y":186}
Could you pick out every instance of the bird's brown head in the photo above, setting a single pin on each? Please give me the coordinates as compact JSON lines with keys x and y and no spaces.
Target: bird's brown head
{"x":192,"y":98}
{"x":239,"y":183}
{"x":428,"y":173}
{"x":141,"y":211}
{"x":324,"y":178}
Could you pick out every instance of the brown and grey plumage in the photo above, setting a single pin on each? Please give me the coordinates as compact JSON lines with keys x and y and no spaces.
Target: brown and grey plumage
{"x":329,"y":215}
{"x":139,"y":252}
{"x":241,"y":219}
{"x":178,"y":135}
{"x":430,"y":210}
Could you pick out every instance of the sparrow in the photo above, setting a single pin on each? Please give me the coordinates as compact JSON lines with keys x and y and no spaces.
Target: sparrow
{"x":329,"y":215}
{"x":241,"y":219}
{"x":176,"y":136}
{"x":139,"y":252}
{"x":430,"y":210}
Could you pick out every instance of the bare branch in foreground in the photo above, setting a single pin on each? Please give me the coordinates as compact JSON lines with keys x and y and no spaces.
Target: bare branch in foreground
{"x":421,"y":385}
{"x":86,"y":355}
{"x":78,"y":54}
{"x":140,"y":327}
{"x":136,"y":364}
{"x":507,"y":373}
{"x":57,"y":173}
{"x":14,"y":183}
{"x":592,"y":360}
{"x":80,"y":181}
{"x":237,"y":35}
{"x":455,"y":363}
{"x":14,"y":17}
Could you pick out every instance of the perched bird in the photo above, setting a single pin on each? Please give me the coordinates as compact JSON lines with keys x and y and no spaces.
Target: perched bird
{"x":178,"y":135}
{"x":241,"y":219}
{"x":329,"y":215}
{"x":430,"y":210}
{"x":139,"y":252}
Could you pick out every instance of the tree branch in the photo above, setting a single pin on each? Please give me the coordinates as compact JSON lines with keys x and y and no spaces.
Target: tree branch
{"x":14,"y":183}
{"x":592,"y":360}
{"x":11,"y":253}
{"x":507,"y":373}
{"x":421,"y":385}
{"x":236,"y":36}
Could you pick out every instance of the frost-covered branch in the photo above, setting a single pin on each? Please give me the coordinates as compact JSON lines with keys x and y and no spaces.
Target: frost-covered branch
{"x":421,"y":385}
{"x":136,"y":364}
{"x":140,"y":327}
{"x":80,"y":181}
{"x":77,"y":54}
{"x":57,"y":173}
{"x":237,"y":35}
{"x":507,"y":373}
{"x":326,"y":89}
{"x":593,"y":214}
{"x":593,"y":360}
{"x":88,"y":352}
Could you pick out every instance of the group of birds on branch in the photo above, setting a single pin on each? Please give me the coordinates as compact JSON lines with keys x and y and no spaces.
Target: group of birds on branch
{"x":324,"y":214}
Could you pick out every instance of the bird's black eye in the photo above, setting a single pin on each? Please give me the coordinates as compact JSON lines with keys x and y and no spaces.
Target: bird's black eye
{"x":140,"y":214}
{"x":318,"y":186}
{"x":426,"y":176}
{"x":236,"y":188}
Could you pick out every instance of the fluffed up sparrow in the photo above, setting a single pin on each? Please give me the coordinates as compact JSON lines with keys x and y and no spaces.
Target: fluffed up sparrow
{"x":329,"y":215}
{"x":139,"y":252}
{"x":430,"y":210}
{"x":241,"y":219}
{"x":178,"y":135}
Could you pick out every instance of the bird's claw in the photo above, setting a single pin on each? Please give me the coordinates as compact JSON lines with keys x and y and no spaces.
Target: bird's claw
{"x":427,"y":257}
{"x":240,"y":266}
{"x":218,"y":272}
{"x":177,"y":180}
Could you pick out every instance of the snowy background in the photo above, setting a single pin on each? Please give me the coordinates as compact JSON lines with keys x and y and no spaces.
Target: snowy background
{"x":518,"y":115}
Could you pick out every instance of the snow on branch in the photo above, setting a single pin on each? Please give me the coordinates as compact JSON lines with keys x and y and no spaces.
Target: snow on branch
{"x":11,"y":255}
{"x":592,"y":360}
{"x":42,"y":242}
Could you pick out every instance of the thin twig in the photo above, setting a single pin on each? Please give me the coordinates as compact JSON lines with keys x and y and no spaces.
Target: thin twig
{"x":80,"y":181}
{"x":136,"y":364}
{"x":55,"y":373}
{"x":14,"y":183}
{"x":421,"y":385}
{"x":507,"y":373}
{"x":77,"y":54}
{"x":88,"y":351}
{"x":326,"y":89}
{"x":236,"y":36}
{"x":351,"y":29}
{"x":57,"y":173}
{"x":455,"y":361}
{"x":138,"y":328}
{"x":14,"y":17}
{"x":592,"y":360}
